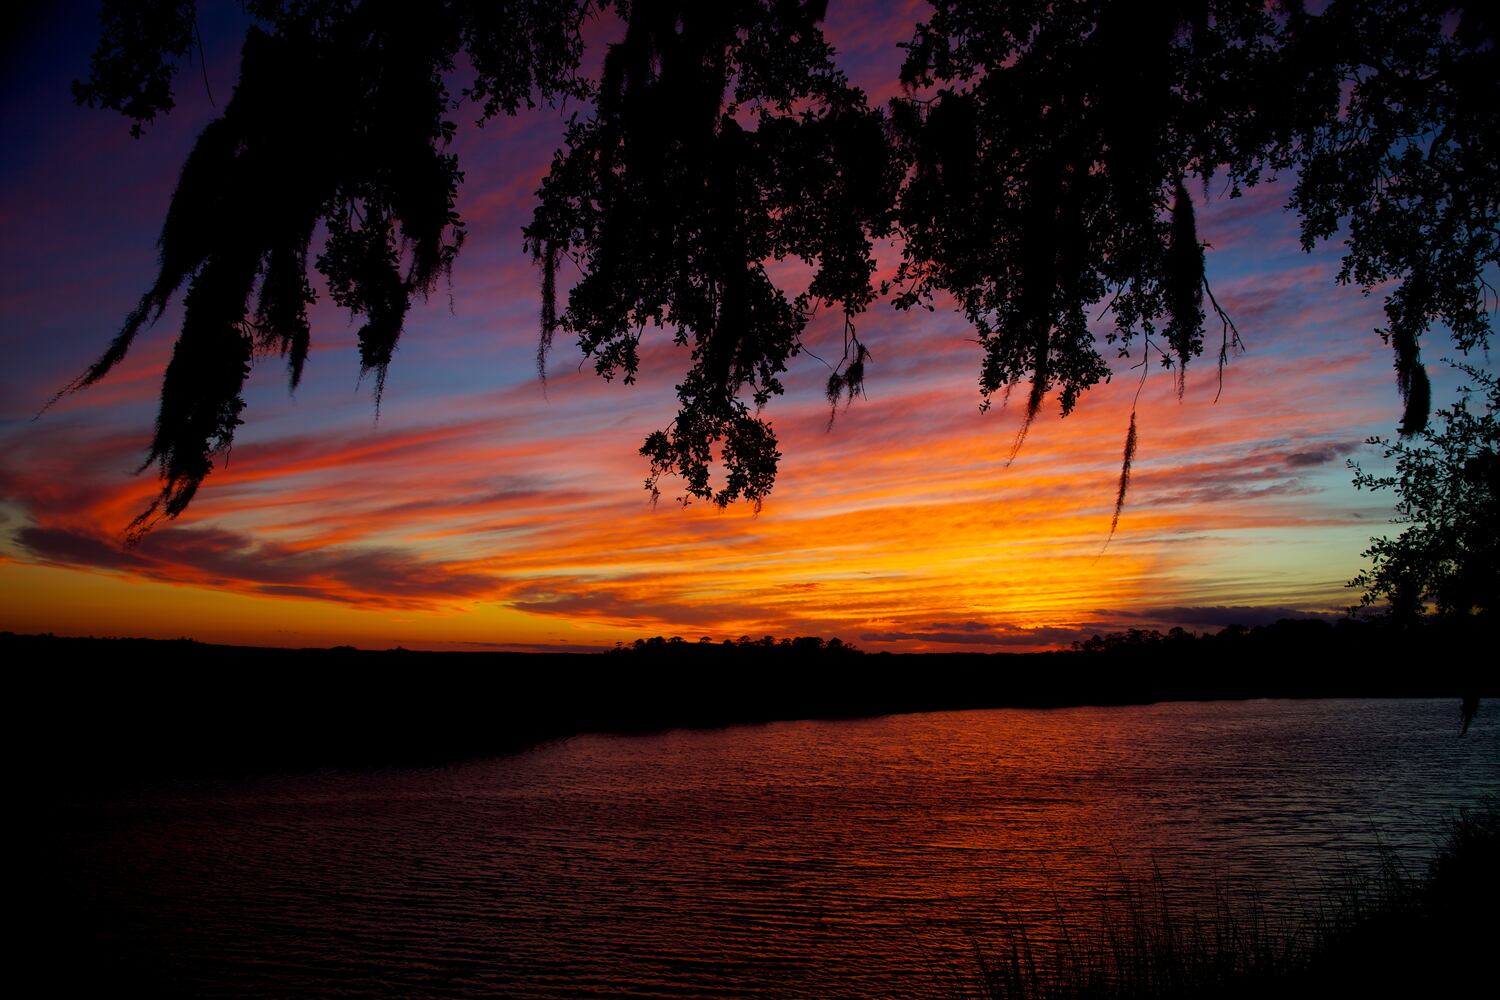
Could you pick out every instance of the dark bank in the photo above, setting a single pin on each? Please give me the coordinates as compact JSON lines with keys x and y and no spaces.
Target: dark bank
{"x":133,"y":708}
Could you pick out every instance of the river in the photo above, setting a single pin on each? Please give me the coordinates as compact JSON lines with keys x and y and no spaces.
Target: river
{"x":861,"y":857}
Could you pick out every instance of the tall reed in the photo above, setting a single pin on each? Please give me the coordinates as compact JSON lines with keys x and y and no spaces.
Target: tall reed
{"x":1387,"y":932}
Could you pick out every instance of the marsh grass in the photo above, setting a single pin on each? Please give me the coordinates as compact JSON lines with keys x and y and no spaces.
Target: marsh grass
{"x":1391,"y":931}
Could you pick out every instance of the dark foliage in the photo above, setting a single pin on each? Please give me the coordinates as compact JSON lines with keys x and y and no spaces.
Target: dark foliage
{"x":723,"y":138}
{"x":1447,"y":480}
{"x":339,"y":118}
{"x":1049,"y":168}
{"x":1052,"y":155}
{"x":1044,"y":161}
{"x":1409,"y":166}
{"x":132,"y":69}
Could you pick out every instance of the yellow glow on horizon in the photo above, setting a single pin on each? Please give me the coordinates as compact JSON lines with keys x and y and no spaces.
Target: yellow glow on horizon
{"x":77,"y":602}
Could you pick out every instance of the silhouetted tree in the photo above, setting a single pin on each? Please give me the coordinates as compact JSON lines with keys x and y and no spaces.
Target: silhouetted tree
{"x":723,"y":138}
{"x":340,"y":117}
{"x":1447,"y":486}
{"x":1054,"y":155}
{"x":1044,"y":163}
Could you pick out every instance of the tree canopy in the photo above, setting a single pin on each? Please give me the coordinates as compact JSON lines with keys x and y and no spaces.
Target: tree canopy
{"x":723,"y":137}
{"x":1447,"y":483}
{"x":1041,"y":163}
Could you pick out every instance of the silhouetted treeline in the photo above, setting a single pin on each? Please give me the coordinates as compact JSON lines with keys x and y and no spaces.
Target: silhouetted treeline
{"x":1377,"y":643}
{"x":107,"y":709}
{"x":743,"y":647}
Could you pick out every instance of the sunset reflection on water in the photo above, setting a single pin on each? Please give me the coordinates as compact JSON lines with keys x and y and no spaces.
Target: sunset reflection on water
{"x":817,"y":858}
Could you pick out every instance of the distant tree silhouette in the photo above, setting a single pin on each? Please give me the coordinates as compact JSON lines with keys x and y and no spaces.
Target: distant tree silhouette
{"x":802,"y":647}
{"x":1042,"y":163}
{"x":1246,"y":659}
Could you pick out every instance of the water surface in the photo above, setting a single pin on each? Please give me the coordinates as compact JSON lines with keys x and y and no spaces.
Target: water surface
{"x":818,"y":858}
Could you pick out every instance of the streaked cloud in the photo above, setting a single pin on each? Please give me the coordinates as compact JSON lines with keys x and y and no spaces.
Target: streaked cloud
{"x":483,"y":508}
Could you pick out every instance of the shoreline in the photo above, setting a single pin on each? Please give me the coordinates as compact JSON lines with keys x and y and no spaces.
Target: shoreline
{"x":138,"y":709}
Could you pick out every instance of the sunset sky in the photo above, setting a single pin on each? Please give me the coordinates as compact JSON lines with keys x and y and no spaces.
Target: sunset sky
{"x":481,"y":511}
